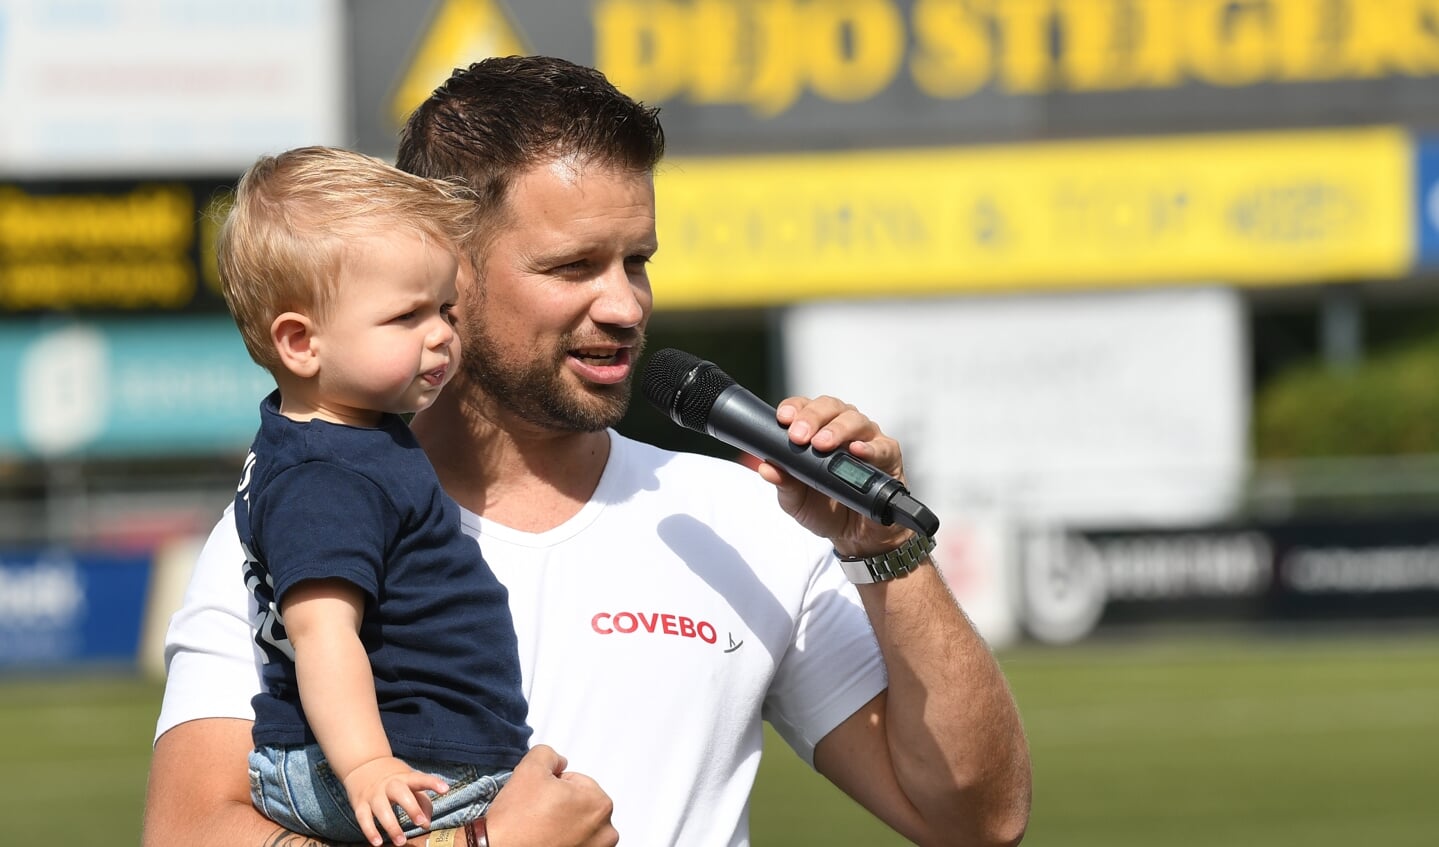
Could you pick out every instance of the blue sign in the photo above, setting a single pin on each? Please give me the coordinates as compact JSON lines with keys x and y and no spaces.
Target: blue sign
{"x":63,"y":607}
{"x":156,"y":386}
{"x":1426,"y":195}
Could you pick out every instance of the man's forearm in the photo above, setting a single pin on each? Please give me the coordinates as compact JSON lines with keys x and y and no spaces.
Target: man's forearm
{"x":198,"y":791}
{"x":278,"y":837}
{"x":952,"y":726}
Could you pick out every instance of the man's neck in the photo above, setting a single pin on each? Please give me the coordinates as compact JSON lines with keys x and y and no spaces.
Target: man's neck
{"x":508,"y":471}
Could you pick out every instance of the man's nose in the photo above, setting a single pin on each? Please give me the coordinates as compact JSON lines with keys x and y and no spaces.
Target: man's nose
{"x":623,"y":299}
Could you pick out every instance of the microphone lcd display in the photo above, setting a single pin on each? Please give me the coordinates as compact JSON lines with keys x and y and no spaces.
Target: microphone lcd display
{"x":851,"y":471}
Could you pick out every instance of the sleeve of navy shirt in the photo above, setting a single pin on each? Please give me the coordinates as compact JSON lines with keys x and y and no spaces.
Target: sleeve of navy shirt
{"x":321,"y":521}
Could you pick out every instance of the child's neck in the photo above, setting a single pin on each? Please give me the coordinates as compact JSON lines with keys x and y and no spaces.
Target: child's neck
{"x":302,"y":410}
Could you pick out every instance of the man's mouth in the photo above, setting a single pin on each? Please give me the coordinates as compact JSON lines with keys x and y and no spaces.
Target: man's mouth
{"x":605,"y":357}
{"x":602,"y":365}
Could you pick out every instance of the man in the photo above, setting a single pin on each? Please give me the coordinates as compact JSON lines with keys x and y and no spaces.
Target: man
{"x":663,"y":604}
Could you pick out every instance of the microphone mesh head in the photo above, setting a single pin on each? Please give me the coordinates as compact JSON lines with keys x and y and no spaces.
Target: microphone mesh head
{"x":683,"y":386}
{"x":663,"y":374}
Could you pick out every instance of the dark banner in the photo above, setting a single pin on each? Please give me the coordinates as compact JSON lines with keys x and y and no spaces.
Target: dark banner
{"x":111,"y":246}
{"x":744,"y":75}
{"x":1334,"y":569}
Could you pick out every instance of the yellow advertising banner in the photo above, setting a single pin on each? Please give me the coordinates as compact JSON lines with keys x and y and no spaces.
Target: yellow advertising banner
{"x":111,"y":246}
{"x":1244,"y":208}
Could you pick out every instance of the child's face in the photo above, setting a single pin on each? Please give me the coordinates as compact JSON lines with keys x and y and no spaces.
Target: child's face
{"x":388,"y":342}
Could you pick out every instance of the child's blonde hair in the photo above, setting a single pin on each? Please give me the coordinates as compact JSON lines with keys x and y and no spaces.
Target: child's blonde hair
{"x":281,"y":245}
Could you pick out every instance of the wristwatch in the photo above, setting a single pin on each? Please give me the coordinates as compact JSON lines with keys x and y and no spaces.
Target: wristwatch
{"x":863,"y":570}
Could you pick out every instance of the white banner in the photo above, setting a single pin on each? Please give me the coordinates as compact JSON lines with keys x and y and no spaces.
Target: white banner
{"x":1081,"y":410}
{"x":105,"y":87}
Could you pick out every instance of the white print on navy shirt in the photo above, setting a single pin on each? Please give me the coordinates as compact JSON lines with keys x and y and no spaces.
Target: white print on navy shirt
{"x":245,"y":475}
{"x":269,"y":627}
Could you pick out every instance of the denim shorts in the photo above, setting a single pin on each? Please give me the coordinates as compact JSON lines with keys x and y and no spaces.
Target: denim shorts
{"x":295,"y":788}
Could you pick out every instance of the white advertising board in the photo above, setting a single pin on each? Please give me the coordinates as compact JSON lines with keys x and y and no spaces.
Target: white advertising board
{"x":98,"y":87}
{"x":1101,"y":409}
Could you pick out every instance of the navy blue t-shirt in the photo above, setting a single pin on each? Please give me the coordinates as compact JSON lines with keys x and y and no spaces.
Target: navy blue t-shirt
{"x":323,"y":500}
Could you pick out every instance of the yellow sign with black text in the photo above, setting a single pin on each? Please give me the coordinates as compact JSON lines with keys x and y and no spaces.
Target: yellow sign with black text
{"x":1249,"y":209}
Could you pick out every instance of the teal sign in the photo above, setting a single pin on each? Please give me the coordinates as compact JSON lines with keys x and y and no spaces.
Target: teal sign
{"x":161,"y":386}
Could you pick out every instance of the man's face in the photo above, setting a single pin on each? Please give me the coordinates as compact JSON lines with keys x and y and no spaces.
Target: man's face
{"x":553,"y":328}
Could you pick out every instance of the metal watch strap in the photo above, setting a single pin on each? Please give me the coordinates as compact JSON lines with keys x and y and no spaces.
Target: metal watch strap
{"x":863,"y":570}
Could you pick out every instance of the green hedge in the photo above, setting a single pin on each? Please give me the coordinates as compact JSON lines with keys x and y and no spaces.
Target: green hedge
{"x":1387,"y":405}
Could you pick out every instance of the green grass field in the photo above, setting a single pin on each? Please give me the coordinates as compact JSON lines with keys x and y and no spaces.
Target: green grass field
{"x":1220,"y":741}
{"x":1183,"y":742}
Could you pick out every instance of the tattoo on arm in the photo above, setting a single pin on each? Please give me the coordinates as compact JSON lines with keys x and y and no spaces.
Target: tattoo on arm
{"x":285,"y":838}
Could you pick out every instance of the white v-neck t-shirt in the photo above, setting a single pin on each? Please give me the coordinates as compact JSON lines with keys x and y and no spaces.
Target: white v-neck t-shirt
{"x":657,"y":628}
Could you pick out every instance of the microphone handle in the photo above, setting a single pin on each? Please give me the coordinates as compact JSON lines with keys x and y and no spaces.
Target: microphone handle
{"x":742,"y":420}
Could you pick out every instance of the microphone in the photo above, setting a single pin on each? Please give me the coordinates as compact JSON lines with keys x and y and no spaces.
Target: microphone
{"x":697,"y":395}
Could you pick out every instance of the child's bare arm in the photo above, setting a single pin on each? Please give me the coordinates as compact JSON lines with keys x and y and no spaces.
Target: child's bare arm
{"x":337,"y":690}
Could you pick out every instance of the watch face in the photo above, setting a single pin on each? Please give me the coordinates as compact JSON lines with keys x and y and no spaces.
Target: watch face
{"x":856,"y":572}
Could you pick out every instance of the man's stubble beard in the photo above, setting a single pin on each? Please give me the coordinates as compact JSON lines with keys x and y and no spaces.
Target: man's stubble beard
{"x":534,"y":388}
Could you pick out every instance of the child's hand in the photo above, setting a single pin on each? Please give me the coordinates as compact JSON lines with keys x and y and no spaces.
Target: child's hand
{"x":378,"y":785}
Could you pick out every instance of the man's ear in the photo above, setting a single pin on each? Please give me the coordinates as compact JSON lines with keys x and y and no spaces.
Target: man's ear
{"x":293,"y":335}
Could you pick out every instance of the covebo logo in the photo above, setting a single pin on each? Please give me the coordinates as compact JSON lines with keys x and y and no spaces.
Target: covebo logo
{"x":653,"y":623}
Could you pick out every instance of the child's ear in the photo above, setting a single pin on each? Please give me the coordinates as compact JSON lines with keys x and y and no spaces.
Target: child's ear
{"x":293,"y":335}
